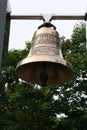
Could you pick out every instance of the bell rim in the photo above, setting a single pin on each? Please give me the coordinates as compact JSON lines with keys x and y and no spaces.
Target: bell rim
{"x":44,"y":58}
{"x":26,"y":61}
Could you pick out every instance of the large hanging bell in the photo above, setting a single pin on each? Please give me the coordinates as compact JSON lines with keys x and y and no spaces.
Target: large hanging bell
{"x":44,"y":64}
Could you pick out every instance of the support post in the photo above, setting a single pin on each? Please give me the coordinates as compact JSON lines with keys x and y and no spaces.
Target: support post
{"x":86,"y":28}
{"x":3,"y":7}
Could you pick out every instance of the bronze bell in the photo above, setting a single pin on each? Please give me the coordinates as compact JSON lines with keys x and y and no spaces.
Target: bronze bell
{"x":44,"y":64}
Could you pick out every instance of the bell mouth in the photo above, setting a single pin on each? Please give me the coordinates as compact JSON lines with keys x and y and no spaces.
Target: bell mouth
{"x":56,"y":71}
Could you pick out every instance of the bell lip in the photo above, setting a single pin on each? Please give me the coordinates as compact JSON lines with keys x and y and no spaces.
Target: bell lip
{"x":39,"y":58}
{"x":44,"y":58}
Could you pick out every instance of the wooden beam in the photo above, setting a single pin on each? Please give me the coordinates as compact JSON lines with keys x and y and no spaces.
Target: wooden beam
{"x":69,"y":17}
{"x":54,"y":17}
{"x":26,"y":17}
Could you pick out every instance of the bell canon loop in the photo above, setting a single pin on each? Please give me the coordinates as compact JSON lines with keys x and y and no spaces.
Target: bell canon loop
{"x":45,"y":64}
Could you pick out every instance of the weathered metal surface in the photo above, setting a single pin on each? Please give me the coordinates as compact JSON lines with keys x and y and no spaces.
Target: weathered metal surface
{"x":45,"y":60}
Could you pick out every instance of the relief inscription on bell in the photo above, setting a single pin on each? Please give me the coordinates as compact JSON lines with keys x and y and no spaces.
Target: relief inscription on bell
{"x":49,"y":50}
{"x":45,"y":44}
{"x":45,"y":39}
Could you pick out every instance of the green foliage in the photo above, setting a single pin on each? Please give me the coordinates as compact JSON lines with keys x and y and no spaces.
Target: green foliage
{"x":76,"y":90}
{"x":31,"y":107}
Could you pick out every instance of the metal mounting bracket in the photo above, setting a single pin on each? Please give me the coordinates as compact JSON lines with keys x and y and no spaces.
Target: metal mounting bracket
{"x":47,"y":17}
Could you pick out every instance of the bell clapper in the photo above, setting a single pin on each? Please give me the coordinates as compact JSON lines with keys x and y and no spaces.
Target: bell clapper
{"x":44,"y":75}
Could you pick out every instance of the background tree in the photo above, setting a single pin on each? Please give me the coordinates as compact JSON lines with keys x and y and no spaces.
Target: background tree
{"x":74,"y":99}
{"x":32,"y":107}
